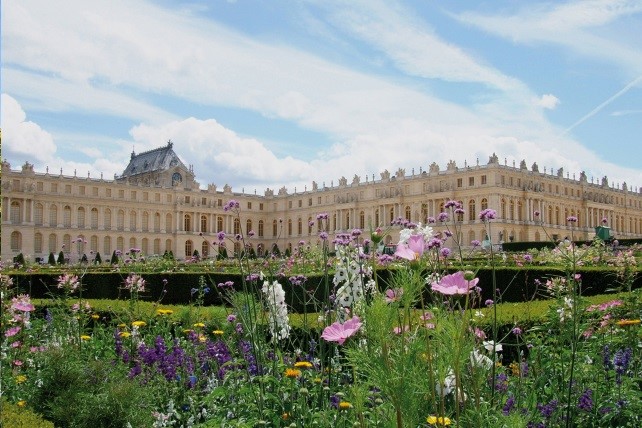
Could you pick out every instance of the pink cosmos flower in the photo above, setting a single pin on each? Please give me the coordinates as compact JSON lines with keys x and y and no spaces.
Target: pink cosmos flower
{"x":12,"y":331}
{"x":338,"y":332}
{"x":393,"y":295}
{"x":399,"y":330}
{"x":454,"y":284}
{"x":412,"y":249}
{"x":22,"y":303}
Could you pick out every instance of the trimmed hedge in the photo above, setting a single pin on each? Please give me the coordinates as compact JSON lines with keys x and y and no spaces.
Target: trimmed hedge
{"x":515,"y":284}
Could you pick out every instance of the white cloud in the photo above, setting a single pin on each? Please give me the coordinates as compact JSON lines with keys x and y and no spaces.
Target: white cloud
{"x":548,"y":101}
{"x":23,"y":139}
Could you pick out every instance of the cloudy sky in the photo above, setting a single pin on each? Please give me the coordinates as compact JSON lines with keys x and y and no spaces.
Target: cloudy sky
{"x":272,"y":93}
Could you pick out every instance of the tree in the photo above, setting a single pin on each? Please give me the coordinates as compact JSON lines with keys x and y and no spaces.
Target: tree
{"x":114,"y":258}
{"x":196,"y":255}
{"x":61,"y":258}
{"x":98,"y":260}
{"x":19,"y":259}
{"x":52,"y":260}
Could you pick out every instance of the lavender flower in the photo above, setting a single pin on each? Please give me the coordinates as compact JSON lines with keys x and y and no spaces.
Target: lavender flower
{"x":585,"y":401}
{"x":487,"y":214}
{"x":510,"y":402}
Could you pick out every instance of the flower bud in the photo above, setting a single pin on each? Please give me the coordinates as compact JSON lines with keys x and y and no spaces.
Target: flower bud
{"x":469,"y":275}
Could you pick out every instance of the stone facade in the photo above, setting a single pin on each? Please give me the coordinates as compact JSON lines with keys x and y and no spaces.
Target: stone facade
{"x":156,"y":205}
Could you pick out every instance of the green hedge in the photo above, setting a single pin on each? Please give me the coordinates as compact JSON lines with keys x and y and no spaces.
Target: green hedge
{"x":515,"y":284}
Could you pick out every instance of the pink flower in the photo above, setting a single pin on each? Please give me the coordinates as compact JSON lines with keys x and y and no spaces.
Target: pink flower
{"x":399,"y":330}
{"x":393,"y":295}
{"x":22,"y":303}
{"x":338,"y":332}
{"x":12,"y":331}
{"x":427,"y":316}
{"x":412,"y":249}
{"x":454,"y":284}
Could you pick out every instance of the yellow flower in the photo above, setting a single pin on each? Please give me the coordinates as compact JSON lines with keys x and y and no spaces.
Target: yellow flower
{"x":21,"y":403}
{"x":201,"y":338}
{"x":317,"y":380}
{"x":292,"y":373}
{"x":625,"y":323}
{"x":95,"y":316}
{"x":122,"y":325}
{"x":188,"y":331}
{"x":514,"y":368}
{"x":125,"y":334}
{"x":139,"y":323}
{"x":303,"y":365}
{"x":85,"y":337}
{"x":21,"y":378}
{"x":434,"y":420}
{"x":218,"y":332}
{"x":344,"y":405}
{"x":199,"y":325}
{"x":164,"y":311}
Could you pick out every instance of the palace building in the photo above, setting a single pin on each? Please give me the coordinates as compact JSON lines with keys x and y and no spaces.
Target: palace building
{"x":156,"y":205}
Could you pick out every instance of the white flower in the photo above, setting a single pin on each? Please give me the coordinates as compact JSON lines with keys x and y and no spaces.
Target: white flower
{"x":489,"y":345}
{"x":278,"y":310}
{"x":480,"y":360}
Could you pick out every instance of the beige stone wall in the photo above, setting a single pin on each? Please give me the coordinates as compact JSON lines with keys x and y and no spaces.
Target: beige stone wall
{"x":43,"y":211}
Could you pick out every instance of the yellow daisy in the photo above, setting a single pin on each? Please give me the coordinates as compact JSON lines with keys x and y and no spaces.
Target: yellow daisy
{"x":625,"y":323}
{"x":139,"y":323}
{"x":218,"y":332}
{"x":442,"y":421}
{"x":292,"y":373}
{"x":85,"y":337}
{"x":344,"y":405}
{"x":303,"y":365}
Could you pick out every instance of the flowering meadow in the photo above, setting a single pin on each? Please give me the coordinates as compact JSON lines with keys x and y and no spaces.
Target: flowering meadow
{"x":418,"y":347}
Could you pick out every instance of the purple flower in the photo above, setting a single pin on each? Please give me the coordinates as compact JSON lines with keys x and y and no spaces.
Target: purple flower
{"x":250,"y":233}
{"x":322,"y":216}
{"x":546,"y":410}
{"x":220,"y":236}
{"x":231,"y":318}
{"x":528,"y":258}
{"x":536,"y":213}
{"x":238,"y":236}
{"x":489,"y":302}
{"x":231,"y":205}
{"x":454,"y":284}
{"x":431,"y":220}
{"x":445,"y":252}
{"x":585,"y":401}
{"x":443,"y":217}
{"x":516,"y":331}
{"x":475,"y":243}
{"x":571,"y":219}
{"x":323,"y":236}
{"x":510,"y":402}
{"x":487,"y":214}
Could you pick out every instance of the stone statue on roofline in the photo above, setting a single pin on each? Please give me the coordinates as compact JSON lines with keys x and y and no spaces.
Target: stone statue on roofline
{"x":385,"y":175}
{"x":493,"y":159}
{"x":522,"y":164}
{"x":535,"y":168}
{"x":433,"y":167}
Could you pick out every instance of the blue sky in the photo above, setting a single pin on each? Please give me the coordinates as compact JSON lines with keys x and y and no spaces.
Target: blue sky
{"x":272,"y":93}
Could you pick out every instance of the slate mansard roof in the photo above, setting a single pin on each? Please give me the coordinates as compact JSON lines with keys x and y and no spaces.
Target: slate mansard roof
{"x":156,"y":160}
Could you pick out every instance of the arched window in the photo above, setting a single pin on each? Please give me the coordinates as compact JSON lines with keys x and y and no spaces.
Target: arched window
{"x":93,"y":243}
{"x":132,"y":243}
{"x":237,"y":226}
{"x":53,"y":216}
{"x":94,"y":218}
{"x":289,"y":227}
{"x":81,"y":217}
{"x":300,"y":226}
{"x":107,"y":220}
{"x":248,"y":226}
{"x":261,"y":229}
{"x":38,"y":214}
{"x":133,"y":221}
{"x":157,"y":247}
{"x":168,"y":245}
{"x":274,"y":228}
{"x":310,"y":224}
{"x":145,"y":221}
{"x":120,"y":244}
{"x":157,"y":220}
{"x":37,"y":243}
{"x":512,"y":209}
{"x":53,"y":243}
{"x":187,"y":223}
{"x":377,"y":217}
{"x":219,"y":224}
{"x":107,"y":246}
{"x":407,"y":212}
{"x":520,"y":209}
{"x":347,"y":225}
{"x":66,"y":243}
{"x":16,"y":240}
{"x":503,"y":208}
{"x":16,"y":212}
{"x":66,"y":216}
{"x":362,"y":220}
{"x":205,"y":249}
{"x":144,"y":247}
{"x":460,"y":216}
{"x":168,"y":223}
{"x":472,"y":211}
{"x":391,"y":214}
{"x":120,"y":220}
{"x":484,"y":204}
{"x":204,"y":224}
{"x":188,"y":248}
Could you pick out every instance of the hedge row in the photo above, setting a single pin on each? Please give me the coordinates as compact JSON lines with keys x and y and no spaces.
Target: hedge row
{"x":514,"y":284}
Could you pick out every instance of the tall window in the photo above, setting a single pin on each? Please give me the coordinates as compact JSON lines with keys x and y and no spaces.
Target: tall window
{"x":53,"y":216}
{"x":205,"y":249}
{"x":248,"y":226}
{"x":53,"y":243}
{"x":120,"y":221}
{"x":407,"y":212}
{"x":93,"y":243}
{"x":275,"y":228}
{"x":289,"y":227}
{"x":132,"y":243}
{"x":300,"y":227}
{"x":145,"y":221}
{"x":237,"y":226}
{"x":94,"y":218}
{"x":66,"y":242}
{"x":187,"y":226}
{"x":15,"y":212}
{"x":168,"y":223}
{"x":67,"y":216}
{"x":16,"y":241}
{"x":362,"y":220}
{"x":145,"y":246}
{"x":157,"y":224}
{"x":38,"y":214}
{"x":81,"y":217}
{"x":107,"y":246}
{"x":37,"y":243}
{"x":204,"y":224}
{"x":107,"y":219}
{"x":260,"y":229}
{"x":133,"y":221}
{"x":120,"y":243}
{"x":157,"y":247}
{"x":472,"y":212}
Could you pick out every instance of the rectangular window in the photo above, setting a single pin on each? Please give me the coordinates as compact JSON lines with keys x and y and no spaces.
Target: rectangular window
{"x":460,"y":182}
{"x":219,"y":202}
{"x":187,"y":199}
{"x":203,"y":201}
{"x":121,"y":194}
{"x":145,"y":196}
{"x":249,"y":205}
{"x":261,"y":206}
{"x":168,"y":198}
{"x":81,"y":190}
{"x":94,"y":191}
{"x":67,"y":188}
{"x":310,"y":202}
{"x":289,"y":204}
{"x":300,"y":203}
{"x":132,"y":195}
{"x":471,"y":181}
{"x":157,"y":197}
{"x":54,"y":188}
{"x":319,"y":200}
{"x":39,"y":186}
{"x":108,"y":193}
{"x":483,"y":179}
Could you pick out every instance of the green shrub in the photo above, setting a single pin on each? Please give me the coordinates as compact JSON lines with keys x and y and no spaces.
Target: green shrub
{"x":14,"y":416}
{"x":52,"y":260}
